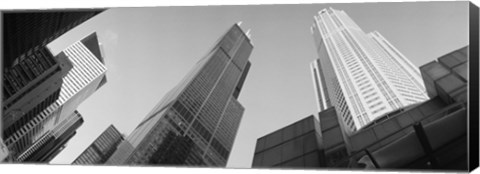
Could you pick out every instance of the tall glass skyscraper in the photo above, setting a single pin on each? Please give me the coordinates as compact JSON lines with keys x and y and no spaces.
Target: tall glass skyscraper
{"x":197,"y":121}
{"x":363,"y":75}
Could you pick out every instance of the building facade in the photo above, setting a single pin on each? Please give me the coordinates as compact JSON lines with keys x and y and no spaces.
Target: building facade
{"x":30,"y":87}
{"x":363,"y":75}
{"x":52,"y":142}
{"x":197,"y":121}
{"x":102,"y":148}
{"x":431,"y":135}
{"x":25,"y":30}
{"x":32,"y":76}
{"x":295,"y":146}
{"x":85,"y":77}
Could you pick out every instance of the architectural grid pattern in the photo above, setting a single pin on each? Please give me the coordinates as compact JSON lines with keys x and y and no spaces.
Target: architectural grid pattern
{"x":197,"y":121}
{"x":361,"y":74}
{"x":81,"y":81}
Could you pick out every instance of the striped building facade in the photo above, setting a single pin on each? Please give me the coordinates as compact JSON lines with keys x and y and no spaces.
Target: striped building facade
{"x":363,"y":75}
{"x":86,"y":76}
{"x":53,"y":141}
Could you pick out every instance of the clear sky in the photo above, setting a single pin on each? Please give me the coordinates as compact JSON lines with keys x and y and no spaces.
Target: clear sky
{"x":149,"y":50}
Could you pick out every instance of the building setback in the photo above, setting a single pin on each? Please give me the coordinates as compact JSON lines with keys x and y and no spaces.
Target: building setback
{"x":85,"y":77}
{"x":363,"y":75}
{"x":102,"y":148}
{"x":197,"y":121}
{"x":430,"y":135}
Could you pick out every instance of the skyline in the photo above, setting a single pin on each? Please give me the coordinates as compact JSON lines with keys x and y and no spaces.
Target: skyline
{"x":289,"y":77}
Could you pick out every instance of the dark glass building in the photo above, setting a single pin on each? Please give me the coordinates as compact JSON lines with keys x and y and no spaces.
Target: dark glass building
{"x":102,"y":148}
{"x":197,"y":121}
{"x":295,"y":146}
{"x":25,"y":30}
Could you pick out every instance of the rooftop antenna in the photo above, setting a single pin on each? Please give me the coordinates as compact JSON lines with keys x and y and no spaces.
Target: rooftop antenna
{"x":249,"y":36}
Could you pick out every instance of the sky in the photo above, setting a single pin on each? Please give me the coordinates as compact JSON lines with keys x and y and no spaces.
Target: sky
{"x":149,"y":50}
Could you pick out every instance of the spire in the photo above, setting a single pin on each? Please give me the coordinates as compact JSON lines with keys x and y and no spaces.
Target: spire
{"x":248,"y":33}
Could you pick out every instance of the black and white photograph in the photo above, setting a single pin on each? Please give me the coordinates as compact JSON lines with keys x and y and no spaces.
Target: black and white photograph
{"x":360,"y":86}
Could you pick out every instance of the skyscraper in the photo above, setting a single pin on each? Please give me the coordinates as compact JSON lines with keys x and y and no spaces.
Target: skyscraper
{"x":32,"y":76}
{"x":197,"y":121}
{"x":86,"y":76}
{"x":432,"y":135}
{"x":102,"y":148}
{"x":53,"y":141}
{"x":30,"y":86}
{"x":363,"y":75}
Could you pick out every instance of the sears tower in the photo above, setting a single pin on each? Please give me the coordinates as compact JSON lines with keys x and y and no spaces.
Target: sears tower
{"x":195,"y":124}
{"x":361,"y":74}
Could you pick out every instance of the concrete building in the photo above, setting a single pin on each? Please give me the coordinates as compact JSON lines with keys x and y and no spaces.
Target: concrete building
{"x":295,"y":146}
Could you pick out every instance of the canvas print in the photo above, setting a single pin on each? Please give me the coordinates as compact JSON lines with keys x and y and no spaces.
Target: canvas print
{"x":352,"y":86}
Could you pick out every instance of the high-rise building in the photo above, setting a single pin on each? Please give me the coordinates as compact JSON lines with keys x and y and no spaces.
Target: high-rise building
{"x":52,"y":142}
{"x":86,"y":76}
{"x":297,"y":145}
{"x":30,"y":87}
{"x":102,"y":148}
{"x":431,"y":135}
{"x":25,"y":30}
{"x":32,"y":76}
{"x":197,"y":121}
{"x":363,"y":75}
